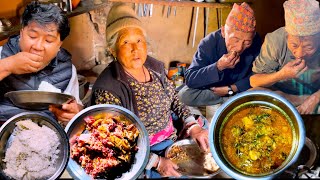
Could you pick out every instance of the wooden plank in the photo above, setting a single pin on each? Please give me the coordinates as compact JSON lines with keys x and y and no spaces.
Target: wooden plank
{"x":89,"y":5}
{"x":179,"y":3}
{"x":86,"y":6}
{"x":83,"y":7}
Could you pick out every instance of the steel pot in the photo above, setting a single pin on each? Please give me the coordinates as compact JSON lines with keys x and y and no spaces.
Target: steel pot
{"x":256,"y":97}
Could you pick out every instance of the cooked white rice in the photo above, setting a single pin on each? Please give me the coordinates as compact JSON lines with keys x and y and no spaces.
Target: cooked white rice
{"x":33,"y":152}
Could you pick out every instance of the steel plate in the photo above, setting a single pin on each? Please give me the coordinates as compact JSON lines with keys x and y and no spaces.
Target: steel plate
{"x":37,"y":100}
{"x":192,"y":164}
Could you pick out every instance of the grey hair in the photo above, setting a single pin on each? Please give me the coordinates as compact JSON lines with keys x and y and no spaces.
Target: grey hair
{"x":111,"y":43}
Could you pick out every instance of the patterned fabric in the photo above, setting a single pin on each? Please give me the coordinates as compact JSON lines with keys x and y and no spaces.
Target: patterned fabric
{"x":105,"y":97}
{"x":154,"y":106}
{"x":241,"y":18}
{"x":152,"y":102}
{"x":302,"y":17}
{"x":163,"y":134}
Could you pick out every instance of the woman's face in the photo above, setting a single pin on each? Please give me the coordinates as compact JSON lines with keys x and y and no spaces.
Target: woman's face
{"x":131,"y":48}
{"x":303,"y":47}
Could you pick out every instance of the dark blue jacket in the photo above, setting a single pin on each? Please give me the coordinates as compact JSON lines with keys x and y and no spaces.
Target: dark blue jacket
{"x":203,"y":72}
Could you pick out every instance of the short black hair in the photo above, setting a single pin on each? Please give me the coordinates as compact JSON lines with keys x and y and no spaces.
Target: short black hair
{"x":44,"y":14}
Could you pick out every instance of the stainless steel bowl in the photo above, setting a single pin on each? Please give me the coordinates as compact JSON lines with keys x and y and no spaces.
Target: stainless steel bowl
{"x":77,"y":126}
{"x":266,"y":98}
{"x":193,"y":166}
{"x":8,"y":127}
{"x":37,"y":100}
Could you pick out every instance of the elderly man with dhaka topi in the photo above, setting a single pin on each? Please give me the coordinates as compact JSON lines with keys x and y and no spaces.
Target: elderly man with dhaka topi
{"x":222,"y":65}
{"x":289,"y":62}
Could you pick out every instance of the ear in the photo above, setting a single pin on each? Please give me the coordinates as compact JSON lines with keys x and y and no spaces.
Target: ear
{"x":223,"y":31}
{"x":21,"y":32}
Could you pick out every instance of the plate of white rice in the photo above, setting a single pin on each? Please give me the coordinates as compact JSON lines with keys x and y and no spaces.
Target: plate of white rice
{"x":33,"y":146}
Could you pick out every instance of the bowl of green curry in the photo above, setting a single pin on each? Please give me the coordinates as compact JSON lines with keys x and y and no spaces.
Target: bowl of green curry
{"x":256,"y":135}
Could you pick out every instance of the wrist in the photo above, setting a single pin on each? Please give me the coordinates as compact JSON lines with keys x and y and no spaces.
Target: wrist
{"x":317,"y":95}
{"x":193,"y":129}
{"x":153,"y":161}
{"x":234,"y":88}
{"x":6,"y":66}
{"x":158,"y":164}
{"x":230,"y":91}
{"x":4,"y":69}
{"x":219,"y":67}
{"x":280,"y":75}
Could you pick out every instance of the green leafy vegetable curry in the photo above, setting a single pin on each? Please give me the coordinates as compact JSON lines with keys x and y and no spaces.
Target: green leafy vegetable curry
{"x":256,"y":139}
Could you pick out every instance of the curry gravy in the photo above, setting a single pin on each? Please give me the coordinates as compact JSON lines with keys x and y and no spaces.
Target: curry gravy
{"x":256,"y":139}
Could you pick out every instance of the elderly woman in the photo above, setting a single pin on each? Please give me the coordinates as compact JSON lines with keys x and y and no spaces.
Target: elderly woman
{"x":289,"y":59}
{"x":139,"y":83}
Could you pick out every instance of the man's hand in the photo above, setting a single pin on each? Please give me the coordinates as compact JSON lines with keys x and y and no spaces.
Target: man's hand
{"x":228,"y":61}
{"x":167,"y":168}
{"x":200,"y":136}
{"x":221,"y":91}
{"x":296,"y":100}
{"x":67,"y":111}
{"x":293,"y":69}
{"x":309,"y":105}
{"x":24,"y":63}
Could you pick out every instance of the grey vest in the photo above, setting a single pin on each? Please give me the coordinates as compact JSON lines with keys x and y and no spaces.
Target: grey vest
{"x":58,"y":73}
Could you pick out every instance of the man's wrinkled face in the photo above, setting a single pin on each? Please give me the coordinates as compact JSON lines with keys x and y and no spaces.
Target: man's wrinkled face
{"x":237,"y":41}
{"x":41,"y":40}
{"x":303,"y":47}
